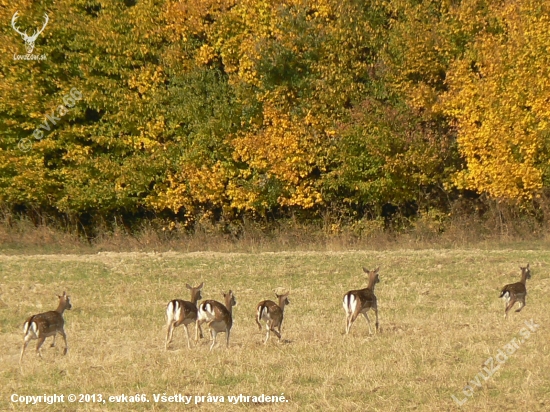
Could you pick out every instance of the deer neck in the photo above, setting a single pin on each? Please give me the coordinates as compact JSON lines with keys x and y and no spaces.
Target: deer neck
{"x":372,"y":283}
{"x":282,"y":305}
{"x":524,"y":277}
{"x":229,"y":306}
{"x":61,"y":308}
{"x":194,"y":298}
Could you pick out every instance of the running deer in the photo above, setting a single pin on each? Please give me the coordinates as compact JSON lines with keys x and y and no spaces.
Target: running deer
{"x":357,"y":302}
{"x":182,"y":312}
{"x":218,"y":316}
{"x":516,"y":292}
{"x":47,"y":324}
{"x":272,"y":314}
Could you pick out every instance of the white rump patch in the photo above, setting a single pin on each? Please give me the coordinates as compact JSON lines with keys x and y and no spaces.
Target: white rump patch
{"x":350,"y":303}
{"x":177,"y":310}
{"x":265,"y":314}
{"x":31,"y":329}
{"x":173,"y":311}
{"x":206,"y":312}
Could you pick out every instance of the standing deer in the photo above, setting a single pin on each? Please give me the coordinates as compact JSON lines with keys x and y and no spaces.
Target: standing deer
{"x":218,"y":316}
{"x":272,"y":314}
{"x":182,"y":312}
{"x":29,"y":40}
{"x":357,"y":302}
{"x":47,"y":324}
{"x":516,"y":292}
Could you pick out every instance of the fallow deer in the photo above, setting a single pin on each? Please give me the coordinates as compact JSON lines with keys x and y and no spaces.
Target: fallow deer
{"x":516,"y":292}
{"x":218,"y":317}
{"x":182,"y":312}
{"x":357,"y":302}
{"x":272,"y":314}
{"x":47,"y":324}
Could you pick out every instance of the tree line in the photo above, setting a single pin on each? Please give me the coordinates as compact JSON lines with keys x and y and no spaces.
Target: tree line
{"x":226,"y":109}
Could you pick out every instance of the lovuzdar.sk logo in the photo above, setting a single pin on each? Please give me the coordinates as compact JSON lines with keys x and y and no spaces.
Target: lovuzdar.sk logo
{"x":29,"y":40}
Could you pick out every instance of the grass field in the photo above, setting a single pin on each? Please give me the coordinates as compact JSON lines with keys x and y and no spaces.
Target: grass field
{"x":440,"y":320}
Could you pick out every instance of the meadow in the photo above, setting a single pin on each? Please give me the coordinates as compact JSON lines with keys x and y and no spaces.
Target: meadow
{"x":440,"y":320}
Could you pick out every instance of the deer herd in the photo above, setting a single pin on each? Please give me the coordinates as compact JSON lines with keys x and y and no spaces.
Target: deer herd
{"x":219,"y":316}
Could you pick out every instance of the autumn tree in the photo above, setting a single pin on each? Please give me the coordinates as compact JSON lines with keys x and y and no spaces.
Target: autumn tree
{"x":499,"y":94}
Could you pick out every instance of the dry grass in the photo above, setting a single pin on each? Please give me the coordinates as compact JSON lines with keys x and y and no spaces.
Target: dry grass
{"x":19,"y":235}
{"x":439,"y":314}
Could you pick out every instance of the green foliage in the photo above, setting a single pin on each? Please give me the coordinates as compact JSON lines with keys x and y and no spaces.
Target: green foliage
{"x":220,"y":108}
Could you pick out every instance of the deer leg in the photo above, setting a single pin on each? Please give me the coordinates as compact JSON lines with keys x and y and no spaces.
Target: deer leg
{"x":53,"y":343}
{"x":197,"y":328}
{"x":213,"y":333}
{"x":259,"y":324}
{"x":349,"y":315}
{"x":276,"y":333}
{"x":169,"y":334}
{"x":39,"y":344}
{"x":510,"y":305}
{"x":209,"y":324}
{"x":522,"y":303}
{"x":376,"y":313}
{"x":227,"y":333}
{"x":351,"y":320}
{"x":268,"y":329}
{"x":65,"y":340}
{"x":25,"y":344}
{"x":368,"y":321}
{"x":188,"y":338}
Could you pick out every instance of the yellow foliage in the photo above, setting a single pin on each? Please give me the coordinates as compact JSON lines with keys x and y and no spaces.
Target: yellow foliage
{"x":192,"y":184}
{"x":283,"y":147}
{"x":499,"y":95}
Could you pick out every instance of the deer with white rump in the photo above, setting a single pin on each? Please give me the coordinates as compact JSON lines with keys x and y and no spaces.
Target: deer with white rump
{"x":359,"y":302}
{"x":219,"y":317}
{"x":182,"y":312}
{"x":272,"y":314}
{"x":47,"y":324}
{"x":516,"y":292}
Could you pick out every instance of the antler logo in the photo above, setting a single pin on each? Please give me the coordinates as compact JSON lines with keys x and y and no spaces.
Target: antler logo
{"x":29,"y":40}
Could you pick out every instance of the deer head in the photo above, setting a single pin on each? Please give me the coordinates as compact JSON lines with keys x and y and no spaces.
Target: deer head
{"x":29,"y":40}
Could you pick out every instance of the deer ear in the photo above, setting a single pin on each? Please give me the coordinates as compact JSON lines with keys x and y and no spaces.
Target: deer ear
{"x":200,"y":286}
{"x":528,"y":266}
{"x":365,"y":270}
{"x":377,"y":269}
{"x":188,"y":286}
